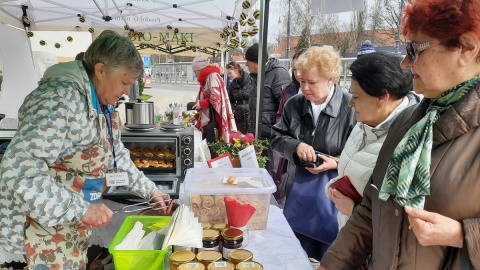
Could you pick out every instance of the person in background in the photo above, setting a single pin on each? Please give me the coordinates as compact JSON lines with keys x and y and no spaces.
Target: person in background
{"x":276,"y":78}
{"x":318,"y":120}
{"x":80,"y":56}
{"x":377,"y":103}
{"x":365,"y":49}
{"x":243,"y":97}
{"x":213,"y":103}
{"x":422,"y":211}
{"x":293,"y":87}
{"x":67,"y":142}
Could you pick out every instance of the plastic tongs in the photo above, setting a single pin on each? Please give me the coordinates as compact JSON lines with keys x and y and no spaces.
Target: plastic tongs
{"x":150,"y":204}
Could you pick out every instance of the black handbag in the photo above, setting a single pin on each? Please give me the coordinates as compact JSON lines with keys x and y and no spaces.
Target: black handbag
{"x":209,"y":129}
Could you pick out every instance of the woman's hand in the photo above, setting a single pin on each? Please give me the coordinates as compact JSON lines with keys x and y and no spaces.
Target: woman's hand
{"x":321,"y":268}
{"x":97,"y":214}
{"x":328,"y":164}
{"x":163,"y":201}
{"x":433,"y":229}
{"x":305,"y":152}
{"x":343,"y":203}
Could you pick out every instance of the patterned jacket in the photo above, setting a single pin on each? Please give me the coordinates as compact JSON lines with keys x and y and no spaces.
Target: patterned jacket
{"x":56,"y":120}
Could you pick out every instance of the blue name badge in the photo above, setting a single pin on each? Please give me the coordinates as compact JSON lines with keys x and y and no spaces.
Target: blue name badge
{"x":92,"y":190}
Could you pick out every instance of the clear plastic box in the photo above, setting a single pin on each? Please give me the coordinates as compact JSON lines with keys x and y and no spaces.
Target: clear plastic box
{"x":205,"y":189}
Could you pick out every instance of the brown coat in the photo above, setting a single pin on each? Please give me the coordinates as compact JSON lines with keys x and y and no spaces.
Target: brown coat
{"x":381,"y":228}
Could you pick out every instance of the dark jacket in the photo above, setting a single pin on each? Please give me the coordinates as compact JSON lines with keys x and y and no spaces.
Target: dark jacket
{"x":276,"y":78}
{"x":328,"y":135}
{"x":243,"y":97}
{"x":382,"y":228}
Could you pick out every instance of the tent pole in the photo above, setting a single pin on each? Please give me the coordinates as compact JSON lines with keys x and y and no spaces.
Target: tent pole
{"x":262,"y":60}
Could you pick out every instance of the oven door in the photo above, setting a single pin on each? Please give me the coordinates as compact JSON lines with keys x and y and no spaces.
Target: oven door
{"x":167,"y":184}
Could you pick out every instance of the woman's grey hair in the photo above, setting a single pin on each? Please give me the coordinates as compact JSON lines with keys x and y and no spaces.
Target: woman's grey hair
{"x":115,"y":51}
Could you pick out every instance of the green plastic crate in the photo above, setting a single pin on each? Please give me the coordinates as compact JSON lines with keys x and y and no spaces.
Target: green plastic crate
{"x":138,"y":259}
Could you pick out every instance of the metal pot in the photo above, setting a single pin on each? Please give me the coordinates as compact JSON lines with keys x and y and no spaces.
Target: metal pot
{"x":139,"y":113}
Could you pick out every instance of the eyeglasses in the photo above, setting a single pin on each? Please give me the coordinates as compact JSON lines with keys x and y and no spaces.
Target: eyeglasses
{"x":230,"y":66}
{"x":413,"y":49}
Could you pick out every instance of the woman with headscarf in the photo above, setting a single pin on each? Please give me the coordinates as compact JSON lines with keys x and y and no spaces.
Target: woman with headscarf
{"x":213,"y":103}
{"x":421,"y":210}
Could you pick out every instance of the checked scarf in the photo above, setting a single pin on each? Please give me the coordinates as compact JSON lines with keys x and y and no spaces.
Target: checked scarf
{"x":408,"y":173}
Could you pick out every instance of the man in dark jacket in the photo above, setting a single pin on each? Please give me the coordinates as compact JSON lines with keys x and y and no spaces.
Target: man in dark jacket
{"x":276,"y":78}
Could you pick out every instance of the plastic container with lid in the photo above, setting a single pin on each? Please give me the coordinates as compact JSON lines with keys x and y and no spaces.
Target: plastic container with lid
{"x":138,"y":259}
{"x":249,"y":266}
{"x":240,"y":255}
{"x":191,"y":265}
{"x":205,"y":191}
{"x":206,"y":257}
{"x":180,"y":257}
{"x":232,"y":239}
{"x":221,"y":266}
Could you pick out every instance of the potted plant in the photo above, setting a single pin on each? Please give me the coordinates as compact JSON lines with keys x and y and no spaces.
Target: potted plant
{"x":239,"y":141}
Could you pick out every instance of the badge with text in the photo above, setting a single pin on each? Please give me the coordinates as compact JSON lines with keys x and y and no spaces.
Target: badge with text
{"x":117,"y":179}
{"x":248,"y":157}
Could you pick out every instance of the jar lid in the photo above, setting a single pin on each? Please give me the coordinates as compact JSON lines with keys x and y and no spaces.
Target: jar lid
{"x":248,"y":266}
{"x":221,"y":266}
{"x":209,"y":256}
{"x":206,"y":225}
{"x":209,"y":234}
{"x":220,"y":226}
{"x":240,"y":255}
{"x":182,"y":256}
{"x":232,"y":234}
{"x":191,"y":265}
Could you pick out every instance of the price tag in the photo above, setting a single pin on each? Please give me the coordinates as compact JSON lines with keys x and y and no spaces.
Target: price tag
{"x":223,"y":161}
{"x":192,"y":265}
{"x":248,"y":264}
{"x":248,"y":157}
{"x":117,"y":179}
{"x":220,"y":264}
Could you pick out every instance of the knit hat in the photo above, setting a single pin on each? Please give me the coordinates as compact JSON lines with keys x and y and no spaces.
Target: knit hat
{"x":252,"y":53}
{"x":365,"y":48}
{"x":200,"y":62}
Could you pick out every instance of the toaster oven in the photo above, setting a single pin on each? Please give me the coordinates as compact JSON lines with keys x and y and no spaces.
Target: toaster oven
{"x":163,"y":155}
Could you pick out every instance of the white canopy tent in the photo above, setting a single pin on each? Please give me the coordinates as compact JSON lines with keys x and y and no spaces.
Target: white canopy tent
{"x":166,"y":26}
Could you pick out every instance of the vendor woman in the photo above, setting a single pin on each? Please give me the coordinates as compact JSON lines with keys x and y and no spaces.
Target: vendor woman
{"x":67,"y":143}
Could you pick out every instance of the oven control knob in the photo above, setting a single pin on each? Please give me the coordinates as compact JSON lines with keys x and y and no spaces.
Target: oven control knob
{"x":187,"y":140}
{"x":187,"y":161}
{"x":187,"y":151}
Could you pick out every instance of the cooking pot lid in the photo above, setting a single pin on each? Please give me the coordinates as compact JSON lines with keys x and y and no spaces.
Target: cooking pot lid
{"x":140,"y":127}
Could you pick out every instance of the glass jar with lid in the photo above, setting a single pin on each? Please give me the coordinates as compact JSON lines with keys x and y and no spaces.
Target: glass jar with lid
{"x":239,"y":255}
{"x":206,"y":257}
{"x":220,"y":226}
{"x":210,"y":240}
{"x":249,"y":266}
{"x":232,"y":238}
{"x":180,"y":257}
{"x":191,"y":266}
{"x":221,"y":266}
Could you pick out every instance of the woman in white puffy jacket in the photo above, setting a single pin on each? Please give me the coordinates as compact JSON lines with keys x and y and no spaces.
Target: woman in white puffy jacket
{"x":380,"y":90}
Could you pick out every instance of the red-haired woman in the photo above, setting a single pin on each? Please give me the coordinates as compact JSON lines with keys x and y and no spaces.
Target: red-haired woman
{"x":421,"y":210}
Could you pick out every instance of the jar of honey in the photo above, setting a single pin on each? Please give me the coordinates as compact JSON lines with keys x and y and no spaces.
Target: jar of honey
{"x":206,"y":257}
{"x":210,"y":240}
{"x":232,"y":238}
{"x":239,"y":255}
{"x":180,"y":257}
{"x":220,"y":226}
